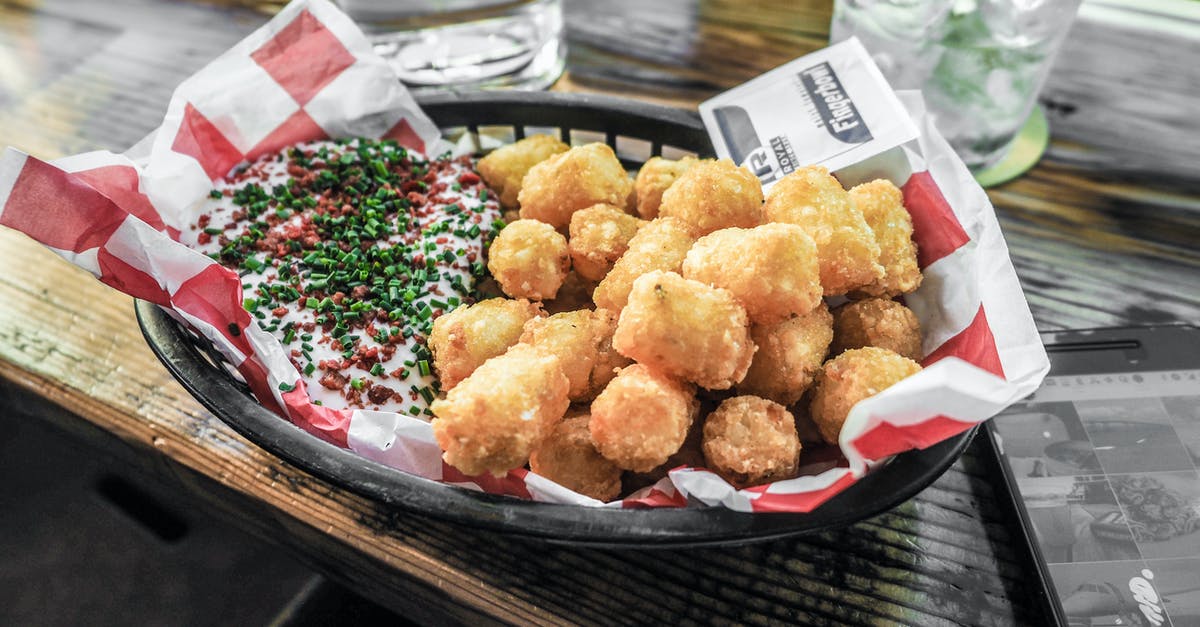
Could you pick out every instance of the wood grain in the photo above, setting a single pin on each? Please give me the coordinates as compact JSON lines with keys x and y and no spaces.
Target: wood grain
{"x":1104,"y":231}
{"x":90,"y":361}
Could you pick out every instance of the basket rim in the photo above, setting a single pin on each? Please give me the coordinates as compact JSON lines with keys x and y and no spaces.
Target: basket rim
{"x":907,"y":473}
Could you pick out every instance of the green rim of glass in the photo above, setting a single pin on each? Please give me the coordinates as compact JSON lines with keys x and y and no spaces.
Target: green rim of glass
{"x":1023,"y":153}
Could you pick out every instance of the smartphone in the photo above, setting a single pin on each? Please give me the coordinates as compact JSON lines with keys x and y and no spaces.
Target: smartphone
{"x":1101,"y":462}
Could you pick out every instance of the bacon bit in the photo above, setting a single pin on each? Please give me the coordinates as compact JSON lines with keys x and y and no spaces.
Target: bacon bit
{"x":468,"y":178}
{"x":279,"y":312}
{"x":359,"y":293}
{"x":297,"y":352}
{"x":296,"y":171}
{"x":332,"y":380}
{"x":416,"y":199}
{"x":309,"y":326}
{"x":379,"y":394}
{"x":202,"y":221}
{"x":338,"y":297}
{"x":203,"y":238}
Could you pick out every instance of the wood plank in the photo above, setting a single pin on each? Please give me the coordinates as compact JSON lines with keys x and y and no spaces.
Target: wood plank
{"x":126,"y":392}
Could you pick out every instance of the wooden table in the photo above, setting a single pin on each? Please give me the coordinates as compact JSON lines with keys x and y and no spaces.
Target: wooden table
{"x":1104,"y":231}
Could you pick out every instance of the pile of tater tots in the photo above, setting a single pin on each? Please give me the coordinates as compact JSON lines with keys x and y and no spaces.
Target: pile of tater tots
{"x":675,"y":318}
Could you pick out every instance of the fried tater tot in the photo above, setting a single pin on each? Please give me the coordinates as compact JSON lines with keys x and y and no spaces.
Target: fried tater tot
{"x":882,"y":205}
{"x":492,"y":420}
{"x":568,"y":458}
{"x":789,"y":356}
{"x":608,"y":361}
{"x":877,"y":322}
{"x":851,"y":377}
{"x":529,"y":259}
{"x":685,"y":329}
{"x":654,"y":178}
{"x":846,"y":248}
{"x":468,"y":336}
{"x":660,"y":244}
{"x":578,"y":338}
{"x":600,"y":234}
{"x":642,"y":418}
{"x":504,"y":168}
{"x":749,"y":441}
{"x":577,"y":179}
{"x":575,"y":293}
{"x":809,"y":432}
{"x":712,"y":195}
{"x":631,"y":199}
{"x":690,"y":453}
{"x":771,"y":269}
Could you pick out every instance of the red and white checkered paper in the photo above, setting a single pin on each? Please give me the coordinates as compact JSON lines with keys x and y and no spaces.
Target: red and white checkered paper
{"x":310,"y":74}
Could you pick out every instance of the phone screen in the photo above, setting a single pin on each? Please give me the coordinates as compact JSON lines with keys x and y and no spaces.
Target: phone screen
{"x":1106,"y":468}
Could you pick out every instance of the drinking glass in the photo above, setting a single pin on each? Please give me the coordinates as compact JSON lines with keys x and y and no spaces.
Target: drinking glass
{"x":471,"y":44}
{"x":979,"y":63}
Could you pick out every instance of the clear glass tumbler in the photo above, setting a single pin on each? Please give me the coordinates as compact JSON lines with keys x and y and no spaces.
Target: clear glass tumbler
{"x":980,"y":63}
{"x":466,"y":44}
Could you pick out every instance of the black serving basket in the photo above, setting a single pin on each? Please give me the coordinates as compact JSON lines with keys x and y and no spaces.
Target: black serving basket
{"x":637,"y":131}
